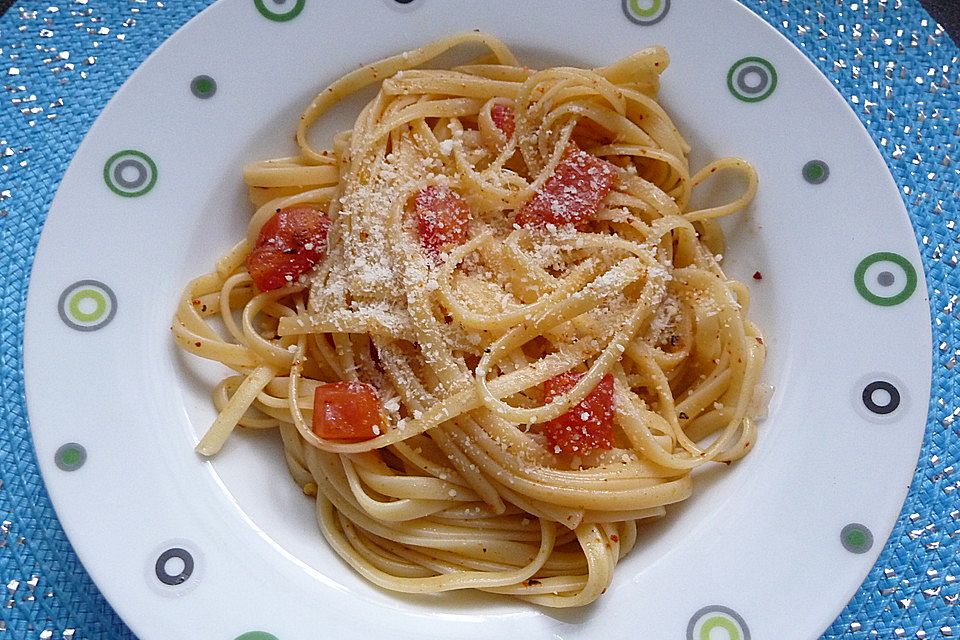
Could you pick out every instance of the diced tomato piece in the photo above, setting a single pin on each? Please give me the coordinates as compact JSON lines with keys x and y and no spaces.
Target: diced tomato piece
{"x":502,"y":116}
{"x":347,"y":411}
{"x":572,"y":195}
{"x":272,"y":269}
{"x":289,"y":244}
{"x":442,"y":218}
{"x":586,"y":427}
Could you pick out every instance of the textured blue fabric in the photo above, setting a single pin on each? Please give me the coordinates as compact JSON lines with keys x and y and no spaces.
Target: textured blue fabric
{"x":895,"y":67}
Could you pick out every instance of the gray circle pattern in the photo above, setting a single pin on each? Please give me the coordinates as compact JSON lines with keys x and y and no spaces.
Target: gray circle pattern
{"x":198,"y":84}
{"x":716,"y":608}
{"x":59,"y":458}
{"x":644,"y":21}
{"x":64,"y":302}
{"x":855,"y":527}
{"x":160,"y":567}
{"x":143,"y":173}
{"x":873,"y":406}
{"x":749,"y":89}
{"x":404,"y":6}
{"x":816,"y":172}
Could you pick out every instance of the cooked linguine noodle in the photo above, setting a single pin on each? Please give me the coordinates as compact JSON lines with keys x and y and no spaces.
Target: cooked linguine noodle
{"x":507,"y":262}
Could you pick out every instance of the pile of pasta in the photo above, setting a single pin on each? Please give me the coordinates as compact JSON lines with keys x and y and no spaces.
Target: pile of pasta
{"x":506,"y":260}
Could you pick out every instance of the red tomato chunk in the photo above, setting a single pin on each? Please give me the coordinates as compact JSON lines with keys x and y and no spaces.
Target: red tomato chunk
{"x":502,"y":116}
{"x":442,"y":218}
{"x":572,"y":195}
{"x":289,"y":244}
{"x":347,"y":411}
{"x":586,"y":427}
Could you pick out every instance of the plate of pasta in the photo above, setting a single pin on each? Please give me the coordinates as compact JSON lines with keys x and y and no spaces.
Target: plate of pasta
{"x":565,"y":320}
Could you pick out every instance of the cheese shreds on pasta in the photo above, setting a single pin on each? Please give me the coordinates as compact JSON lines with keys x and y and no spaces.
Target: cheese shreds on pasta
{"x":513,"y":267}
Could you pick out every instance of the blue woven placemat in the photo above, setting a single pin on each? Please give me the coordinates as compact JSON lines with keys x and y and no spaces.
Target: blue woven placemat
{"x":60,"y":62}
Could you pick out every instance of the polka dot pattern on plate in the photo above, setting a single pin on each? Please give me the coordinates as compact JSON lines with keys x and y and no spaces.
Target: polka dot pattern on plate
{"x":70,"y":456}
{"x":87,"y":305}
{"x":717,"y":623}
{"x":856,"y":538}
{"x":752,"y":79}
{"x":816,"y":172}
{"x":279,"y":10}
{"x":881,"y":397}
{"x":174,"y":566}
{"x":646,"y":12}
{"x":203,"y":87}
{"x":885,"y":279}
{"x":130,"y":173}
{"x":403,"y":6}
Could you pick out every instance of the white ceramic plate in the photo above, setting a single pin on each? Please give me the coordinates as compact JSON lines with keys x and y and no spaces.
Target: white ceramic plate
{"x":184,"y":548}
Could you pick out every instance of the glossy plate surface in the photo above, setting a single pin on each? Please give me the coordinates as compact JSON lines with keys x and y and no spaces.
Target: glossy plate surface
{"x":188,"y":548}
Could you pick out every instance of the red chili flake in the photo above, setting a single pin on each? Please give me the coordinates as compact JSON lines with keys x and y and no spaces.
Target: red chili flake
{"x":757,"y":275}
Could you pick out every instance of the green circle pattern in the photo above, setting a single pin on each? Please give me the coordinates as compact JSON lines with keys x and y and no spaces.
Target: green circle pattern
{"x":257,"y":635}
{"x":70,"y":456}
{"x":87,"y":305}
{"x":278,"y":16}
{"x":859,"y":279}
{"x":816,"y":172}
{"x":203,"y":87}
{"x":719,"y":622}
{"x":856,"y":538}
{"x":767,"y":71}
{"x":137,"y":158}
{"x":646,"y":13}
{"x":656,"y":12}
{"x":87,"y":294}
{"x":706,"y":620}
